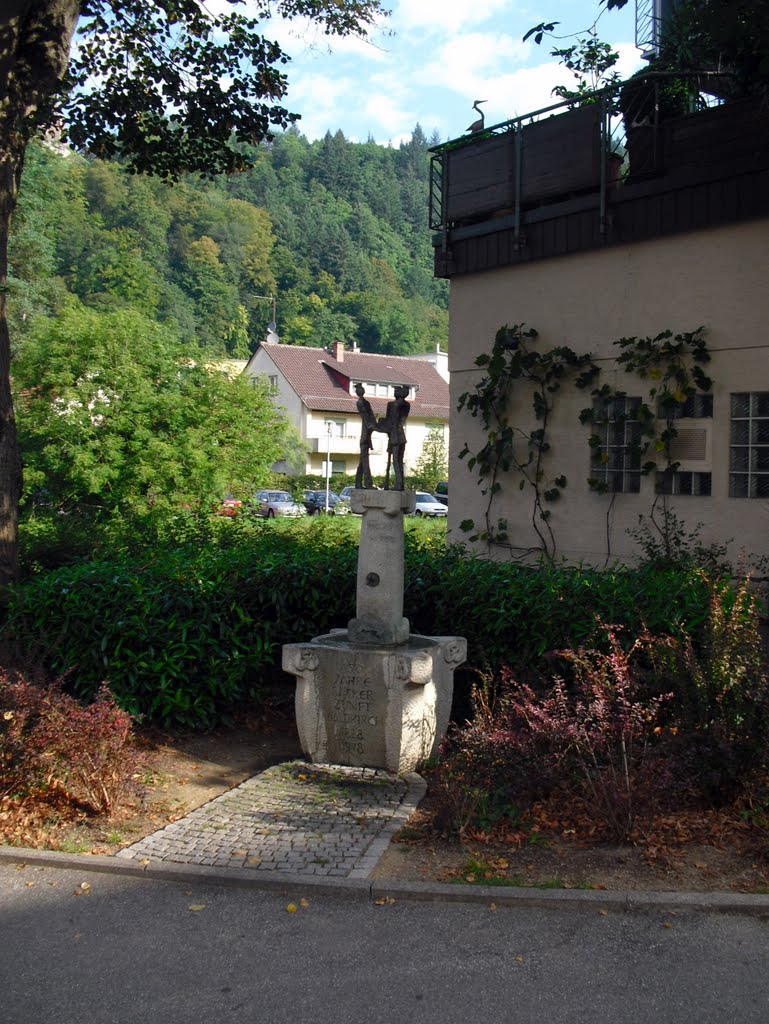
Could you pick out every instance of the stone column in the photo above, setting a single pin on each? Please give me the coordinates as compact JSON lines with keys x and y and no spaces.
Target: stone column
{"x":380,"y":582}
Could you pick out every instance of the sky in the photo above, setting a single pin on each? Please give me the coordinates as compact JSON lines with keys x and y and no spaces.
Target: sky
{"x":431,"y":59}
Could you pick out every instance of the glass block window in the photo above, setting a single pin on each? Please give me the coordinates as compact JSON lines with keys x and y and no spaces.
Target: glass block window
{"x":749,"y":445}
{"x":682,"y":482}
{"x":616,"y":459}
{"x":698,"y":406}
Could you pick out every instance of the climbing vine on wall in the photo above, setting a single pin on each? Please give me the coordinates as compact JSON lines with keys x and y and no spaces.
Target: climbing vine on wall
{"x":509,"y":447}
{"x":671,"y":364}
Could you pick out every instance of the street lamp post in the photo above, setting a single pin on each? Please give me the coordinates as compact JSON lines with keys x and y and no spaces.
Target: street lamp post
{"x":329,"y":426}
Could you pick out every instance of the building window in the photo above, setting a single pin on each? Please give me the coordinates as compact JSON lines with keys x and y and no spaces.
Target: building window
{"x":616,"y":455}
{"x":382,"y":390}
{"x":338,"y":427}
{"x":749,"y":445}
{"x":338,"y":466}
{"x":678,"y":482}
{"x":273,"y":379}
{"x":697,"y":406}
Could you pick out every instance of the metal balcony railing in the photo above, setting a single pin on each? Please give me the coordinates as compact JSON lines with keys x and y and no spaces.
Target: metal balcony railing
{"x":586,"y":147}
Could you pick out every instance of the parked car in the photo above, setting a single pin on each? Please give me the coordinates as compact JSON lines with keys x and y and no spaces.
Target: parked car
{"x":269,"y":504}
{"x":442,"y":492}
{"x":229,"y":507}
{"x":345,"y":493}
{"x":426,"y":505}
{"x":315,"y":502}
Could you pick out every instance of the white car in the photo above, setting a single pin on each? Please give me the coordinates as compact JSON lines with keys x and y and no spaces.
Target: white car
{"x":269,"y":504}
{"x":426,"y":505}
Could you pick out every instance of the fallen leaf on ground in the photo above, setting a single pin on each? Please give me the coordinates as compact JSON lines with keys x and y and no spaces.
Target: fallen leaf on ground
{"x":195,"y":907}
{"x":384,"y":901}
{"x":291,"y":908}
{"x":304,"y":903}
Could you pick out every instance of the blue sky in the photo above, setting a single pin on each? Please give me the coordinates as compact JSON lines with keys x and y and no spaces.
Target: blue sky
{"x":431,"y":59}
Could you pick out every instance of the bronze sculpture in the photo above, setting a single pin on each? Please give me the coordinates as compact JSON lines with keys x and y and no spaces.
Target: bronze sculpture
{"x":393,"y":423}
{"x":368,"y":426}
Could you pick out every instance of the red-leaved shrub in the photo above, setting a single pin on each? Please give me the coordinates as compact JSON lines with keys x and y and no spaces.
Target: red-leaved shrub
{"x":48,"y":740}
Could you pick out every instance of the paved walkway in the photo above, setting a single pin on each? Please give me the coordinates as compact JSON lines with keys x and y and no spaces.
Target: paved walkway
{"x":294,"y":818}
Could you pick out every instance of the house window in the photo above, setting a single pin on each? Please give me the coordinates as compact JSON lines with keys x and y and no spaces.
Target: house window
{"x":273,"y":379}
{"x":338,"y":427}
{"x":749,"y":445}
{"x":382,"y":390}
{"x":616,"y":457}
{"x":338,"y":466}
{"x":677,"y":482}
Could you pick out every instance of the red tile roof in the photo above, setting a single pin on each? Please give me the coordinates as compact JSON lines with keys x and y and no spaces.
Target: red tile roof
{"x":322,"y":382}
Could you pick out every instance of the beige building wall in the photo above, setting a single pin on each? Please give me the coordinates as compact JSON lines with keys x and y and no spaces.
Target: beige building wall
{"x":718,"y":279}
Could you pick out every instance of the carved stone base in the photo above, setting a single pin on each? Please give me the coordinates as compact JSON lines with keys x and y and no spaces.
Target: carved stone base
{"x":385,"y":707}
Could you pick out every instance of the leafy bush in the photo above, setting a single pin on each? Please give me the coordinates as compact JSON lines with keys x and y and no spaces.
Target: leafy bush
{"x":182,"y":637}
{"x":590,"y":734}
{"x":184,"y":633}
{"x":48,"y":740}
{"x":720,"y":683}
{"x":514,"y":614}
{"x":665,"y":722}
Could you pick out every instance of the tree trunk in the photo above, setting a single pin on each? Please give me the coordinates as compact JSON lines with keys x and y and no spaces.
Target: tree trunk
{"x":35,"y":40}
{"x":11,"y":164}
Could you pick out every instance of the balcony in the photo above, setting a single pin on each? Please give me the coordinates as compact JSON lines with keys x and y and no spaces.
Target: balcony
{"x":623,"y":167}
{"x":348,"y":445}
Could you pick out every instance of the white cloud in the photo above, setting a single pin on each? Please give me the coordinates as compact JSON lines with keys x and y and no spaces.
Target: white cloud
{"x":389,"y":118}
{"x":471,"y":58}
{"x":320,"y":100}
{"x":445,"y":16}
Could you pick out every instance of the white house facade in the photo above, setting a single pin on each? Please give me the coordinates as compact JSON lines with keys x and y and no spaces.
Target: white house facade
{"x":316,"y":388}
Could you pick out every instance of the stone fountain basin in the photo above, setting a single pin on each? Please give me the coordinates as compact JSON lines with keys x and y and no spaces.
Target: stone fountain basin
{"x":378,"y":706}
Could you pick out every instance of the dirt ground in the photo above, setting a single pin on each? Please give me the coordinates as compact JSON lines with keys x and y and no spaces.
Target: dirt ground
{"x":546,"y":861}
{"x":179,"y":773}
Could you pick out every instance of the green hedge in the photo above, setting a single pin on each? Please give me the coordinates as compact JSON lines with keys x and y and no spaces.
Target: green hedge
{"x":184,"y":636}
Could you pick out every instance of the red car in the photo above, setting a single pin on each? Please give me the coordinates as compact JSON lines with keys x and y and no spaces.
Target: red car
{"x":229,"y":507}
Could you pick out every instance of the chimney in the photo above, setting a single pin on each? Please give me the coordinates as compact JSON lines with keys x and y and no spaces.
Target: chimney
{"x":337,"y":351}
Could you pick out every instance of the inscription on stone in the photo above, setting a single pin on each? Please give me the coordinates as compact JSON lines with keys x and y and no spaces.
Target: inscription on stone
{"x":354,"y":713}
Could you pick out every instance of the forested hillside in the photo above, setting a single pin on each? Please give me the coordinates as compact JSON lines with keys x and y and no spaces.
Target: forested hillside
{"x":337,"y":231}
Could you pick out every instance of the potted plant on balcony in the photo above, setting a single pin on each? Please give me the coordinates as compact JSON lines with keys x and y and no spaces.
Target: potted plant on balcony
{"x":718,"y":49}
{"x":650,"y":97}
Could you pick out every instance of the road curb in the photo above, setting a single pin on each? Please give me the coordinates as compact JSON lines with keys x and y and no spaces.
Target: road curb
{"x":382,"y":891}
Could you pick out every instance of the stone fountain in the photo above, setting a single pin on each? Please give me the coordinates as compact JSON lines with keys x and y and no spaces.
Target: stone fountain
{"x":374,"y":694}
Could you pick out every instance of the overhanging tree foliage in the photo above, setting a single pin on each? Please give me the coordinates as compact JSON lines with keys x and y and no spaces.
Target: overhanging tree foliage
{"x":164,"y":84}
{"x":116,"y":418}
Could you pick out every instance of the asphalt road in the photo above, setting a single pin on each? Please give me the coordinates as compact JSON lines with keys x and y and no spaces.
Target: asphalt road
{"x":127,"y":950}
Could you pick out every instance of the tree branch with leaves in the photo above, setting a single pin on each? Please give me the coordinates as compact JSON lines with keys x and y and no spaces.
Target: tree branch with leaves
{"x":165,"y":85}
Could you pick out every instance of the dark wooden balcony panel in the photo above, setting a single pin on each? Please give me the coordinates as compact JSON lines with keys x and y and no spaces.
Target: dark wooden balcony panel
{"x":561,"y":154}
{"x":733,"y":134}
{"x":637,"y":213}
{"x":480,"y":177}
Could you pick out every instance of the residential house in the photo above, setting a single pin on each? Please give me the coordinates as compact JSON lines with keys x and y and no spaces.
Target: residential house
{"x":316,"y":387}
{"x":533,"y":225}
